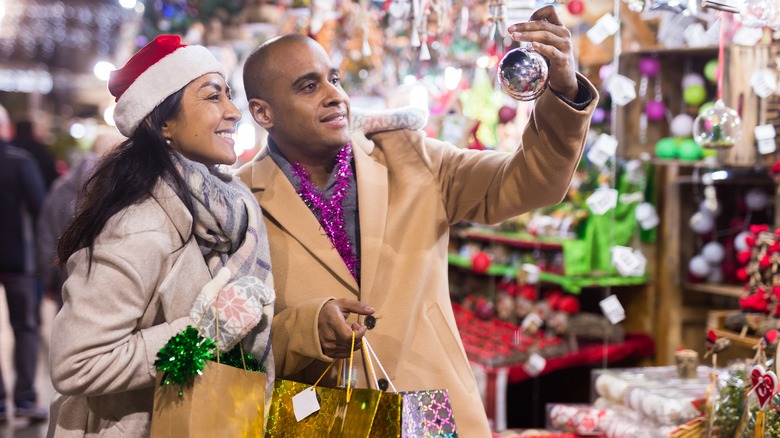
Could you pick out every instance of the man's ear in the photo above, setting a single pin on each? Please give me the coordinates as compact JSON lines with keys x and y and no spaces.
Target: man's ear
{"x":261,"y":112}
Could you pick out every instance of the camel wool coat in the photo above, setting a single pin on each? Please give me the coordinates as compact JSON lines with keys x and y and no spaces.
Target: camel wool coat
{"x":115,"y":319}
{"x":410,"y":190}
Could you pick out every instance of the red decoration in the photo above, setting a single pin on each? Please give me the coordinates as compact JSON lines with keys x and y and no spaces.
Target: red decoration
{"x":764,"y":384}
{"x":569,"y":304}
{"x":480,"y":262}
{"x":576,"y":7}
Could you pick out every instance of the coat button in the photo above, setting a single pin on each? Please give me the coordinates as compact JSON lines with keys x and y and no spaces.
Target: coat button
{"x":383,"y":385}
{"x":370,"y":322}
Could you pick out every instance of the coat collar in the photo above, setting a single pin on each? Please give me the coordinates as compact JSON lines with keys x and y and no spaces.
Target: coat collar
{"x":279,"y":200}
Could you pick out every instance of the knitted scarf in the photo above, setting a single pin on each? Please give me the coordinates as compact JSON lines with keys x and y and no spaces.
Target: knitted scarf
{"x":231,"y":234}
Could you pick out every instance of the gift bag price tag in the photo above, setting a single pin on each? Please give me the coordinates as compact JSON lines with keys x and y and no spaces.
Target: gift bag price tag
{"x":765,"y":138}
{"x":612,"y":309}
{"x":622,"y":89}
{"x":602,"y":200}
{"x":305,"y":403}
{"x":535,"y":365}
{"x":606,"y":26}
{"x":602,"y":149}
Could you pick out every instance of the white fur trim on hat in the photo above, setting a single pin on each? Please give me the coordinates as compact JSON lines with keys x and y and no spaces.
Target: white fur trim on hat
{"x":167,"y":76}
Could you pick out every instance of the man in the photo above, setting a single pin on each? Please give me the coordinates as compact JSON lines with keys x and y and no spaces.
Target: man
{"x":25,"y":139}
{"x":21,"y":195}
{"x":369,"y":255}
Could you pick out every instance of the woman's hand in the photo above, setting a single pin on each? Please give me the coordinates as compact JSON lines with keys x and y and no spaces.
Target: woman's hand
{"x":336,"y":332}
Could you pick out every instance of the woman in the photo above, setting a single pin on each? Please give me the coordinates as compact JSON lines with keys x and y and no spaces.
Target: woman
{"x":159,"y":234}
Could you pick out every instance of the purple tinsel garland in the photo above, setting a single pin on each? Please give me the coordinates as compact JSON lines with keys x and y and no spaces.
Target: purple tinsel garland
{"x":331,"y":210}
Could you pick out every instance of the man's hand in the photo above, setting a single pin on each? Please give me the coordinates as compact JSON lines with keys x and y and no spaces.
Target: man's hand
{"x":336,"y":332}
{"x":547,"y":35}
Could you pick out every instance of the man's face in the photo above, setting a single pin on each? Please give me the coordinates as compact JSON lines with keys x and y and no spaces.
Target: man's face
{"x":306,"y":110}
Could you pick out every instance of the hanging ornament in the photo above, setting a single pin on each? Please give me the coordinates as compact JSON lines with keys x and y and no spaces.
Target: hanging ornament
{"x":718,"y":127}
{"x":523,"y":73}
{"x":576,"y":7}
{"x":681,"y":126}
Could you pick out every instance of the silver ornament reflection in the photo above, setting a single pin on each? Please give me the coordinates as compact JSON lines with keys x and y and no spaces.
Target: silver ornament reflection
{"x":523,"y":73}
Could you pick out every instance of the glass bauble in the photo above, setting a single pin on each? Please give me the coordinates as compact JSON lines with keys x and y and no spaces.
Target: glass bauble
{"x":523,"y":73}
{"x":717,"y":127}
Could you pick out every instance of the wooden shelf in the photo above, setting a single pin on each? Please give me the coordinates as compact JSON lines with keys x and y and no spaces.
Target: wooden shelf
{"x":728,"y":290}
{"x":517,"y":240}
{"x":573,"y":285}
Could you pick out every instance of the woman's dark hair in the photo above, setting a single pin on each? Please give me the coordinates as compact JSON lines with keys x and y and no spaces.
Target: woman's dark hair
{"x":125,"y":176}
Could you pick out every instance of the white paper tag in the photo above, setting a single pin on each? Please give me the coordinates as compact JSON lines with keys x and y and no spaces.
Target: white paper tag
{"x":534,"y":365}
{"x":695,"y":35}
{"x":765,"y":138}
{"x":531,"y":323}
{"x":531,"y":273}
{"x":764,"y":82}
{"x":606,"y":26}
{"x":602,"y":149}
{"x":612,"y":309}
{"x":602,"y":200}
{"x":305,"y":403}
{"x":748,"y":36}
{"x":621,"y":88}
{"x":642,"y":266}
{"x":624,"y":260}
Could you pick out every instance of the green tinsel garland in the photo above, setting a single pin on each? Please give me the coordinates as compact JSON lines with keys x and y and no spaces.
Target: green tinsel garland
{"x":183,"y":357}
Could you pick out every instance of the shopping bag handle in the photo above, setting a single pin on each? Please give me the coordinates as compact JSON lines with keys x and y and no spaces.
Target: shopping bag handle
{"x":349,"y":377}
{"x":367,"y":353}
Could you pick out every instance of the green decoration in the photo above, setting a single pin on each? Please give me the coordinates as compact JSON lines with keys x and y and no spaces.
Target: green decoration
{"x":689,"y":150}
{"x":233,"y":359}
{"x":711,"y":70}
{"x":695,"y":95}
{"x":183,"y":357}
{"x":482,"y":102}
{"x":706,"y":105}
{"x":666,"y":148}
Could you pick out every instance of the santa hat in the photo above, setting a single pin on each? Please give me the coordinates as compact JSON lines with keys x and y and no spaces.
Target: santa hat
{"x":159,"y":69}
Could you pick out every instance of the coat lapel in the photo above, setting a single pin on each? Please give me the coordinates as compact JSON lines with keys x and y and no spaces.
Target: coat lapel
{"x":372,"y":204}
{"x":279,"y":200}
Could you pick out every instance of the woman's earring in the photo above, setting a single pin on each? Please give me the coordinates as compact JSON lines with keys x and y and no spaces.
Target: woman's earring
{"x":168,"y":141}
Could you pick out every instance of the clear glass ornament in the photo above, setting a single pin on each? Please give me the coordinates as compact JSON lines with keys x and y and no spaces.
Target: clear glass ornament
{"x":523,"y":73}
{"x":717,"y":127}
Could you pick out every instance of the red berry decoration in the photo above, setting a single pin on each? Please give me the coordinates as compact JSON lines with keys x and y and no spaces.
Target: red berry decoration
{"x":576,"y":7}
{"x":480,"y":262}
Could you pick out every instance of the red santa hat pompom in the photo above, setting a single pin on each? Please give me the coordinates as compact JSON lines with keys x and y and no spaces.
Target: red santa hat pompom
{"x":159,"y":69}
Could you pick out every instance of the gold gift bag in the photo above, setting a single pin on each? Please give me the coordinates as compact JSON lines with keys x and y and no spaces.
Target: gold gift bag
{"x":223,"y":401}
{"x":343,"y":412}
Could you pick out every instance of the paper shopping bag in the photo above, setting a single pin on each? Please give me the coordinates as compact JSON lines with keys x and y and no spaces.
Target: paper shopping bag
{"x":223,"y":401}
{"x":414,"y":414}
{"x":336,"y":417}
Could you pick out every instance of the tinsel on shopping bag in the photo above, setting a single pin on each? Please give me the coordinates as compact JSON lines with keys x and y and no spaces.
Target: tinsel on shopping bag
{"x":196,"y":396}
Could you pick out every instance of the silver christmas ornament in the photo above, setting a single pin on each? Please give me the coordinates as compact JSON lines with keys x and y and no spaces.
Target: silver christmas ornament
{"x":523,"y":73}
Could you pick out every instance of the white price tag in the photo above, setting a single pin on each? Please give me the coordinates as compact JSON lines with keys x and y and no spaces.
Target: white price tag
{"x":612,"y":309}
{"x":531,"y":323}
{"x":642,"y":266}
{"x":606,"y":26}
{"x":305,"y":403}
{"x":764,"y":82}
{"x":695,"y":35}
{"x":602,"y":149}
{"x":602,"y":200}
{"x":624,"y":259}
{"x":635,"y":171}
{"x":621,"y":88}
{"x":535,"y":365}
{"x":748,"y":36}
{"x":765,"y":138}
